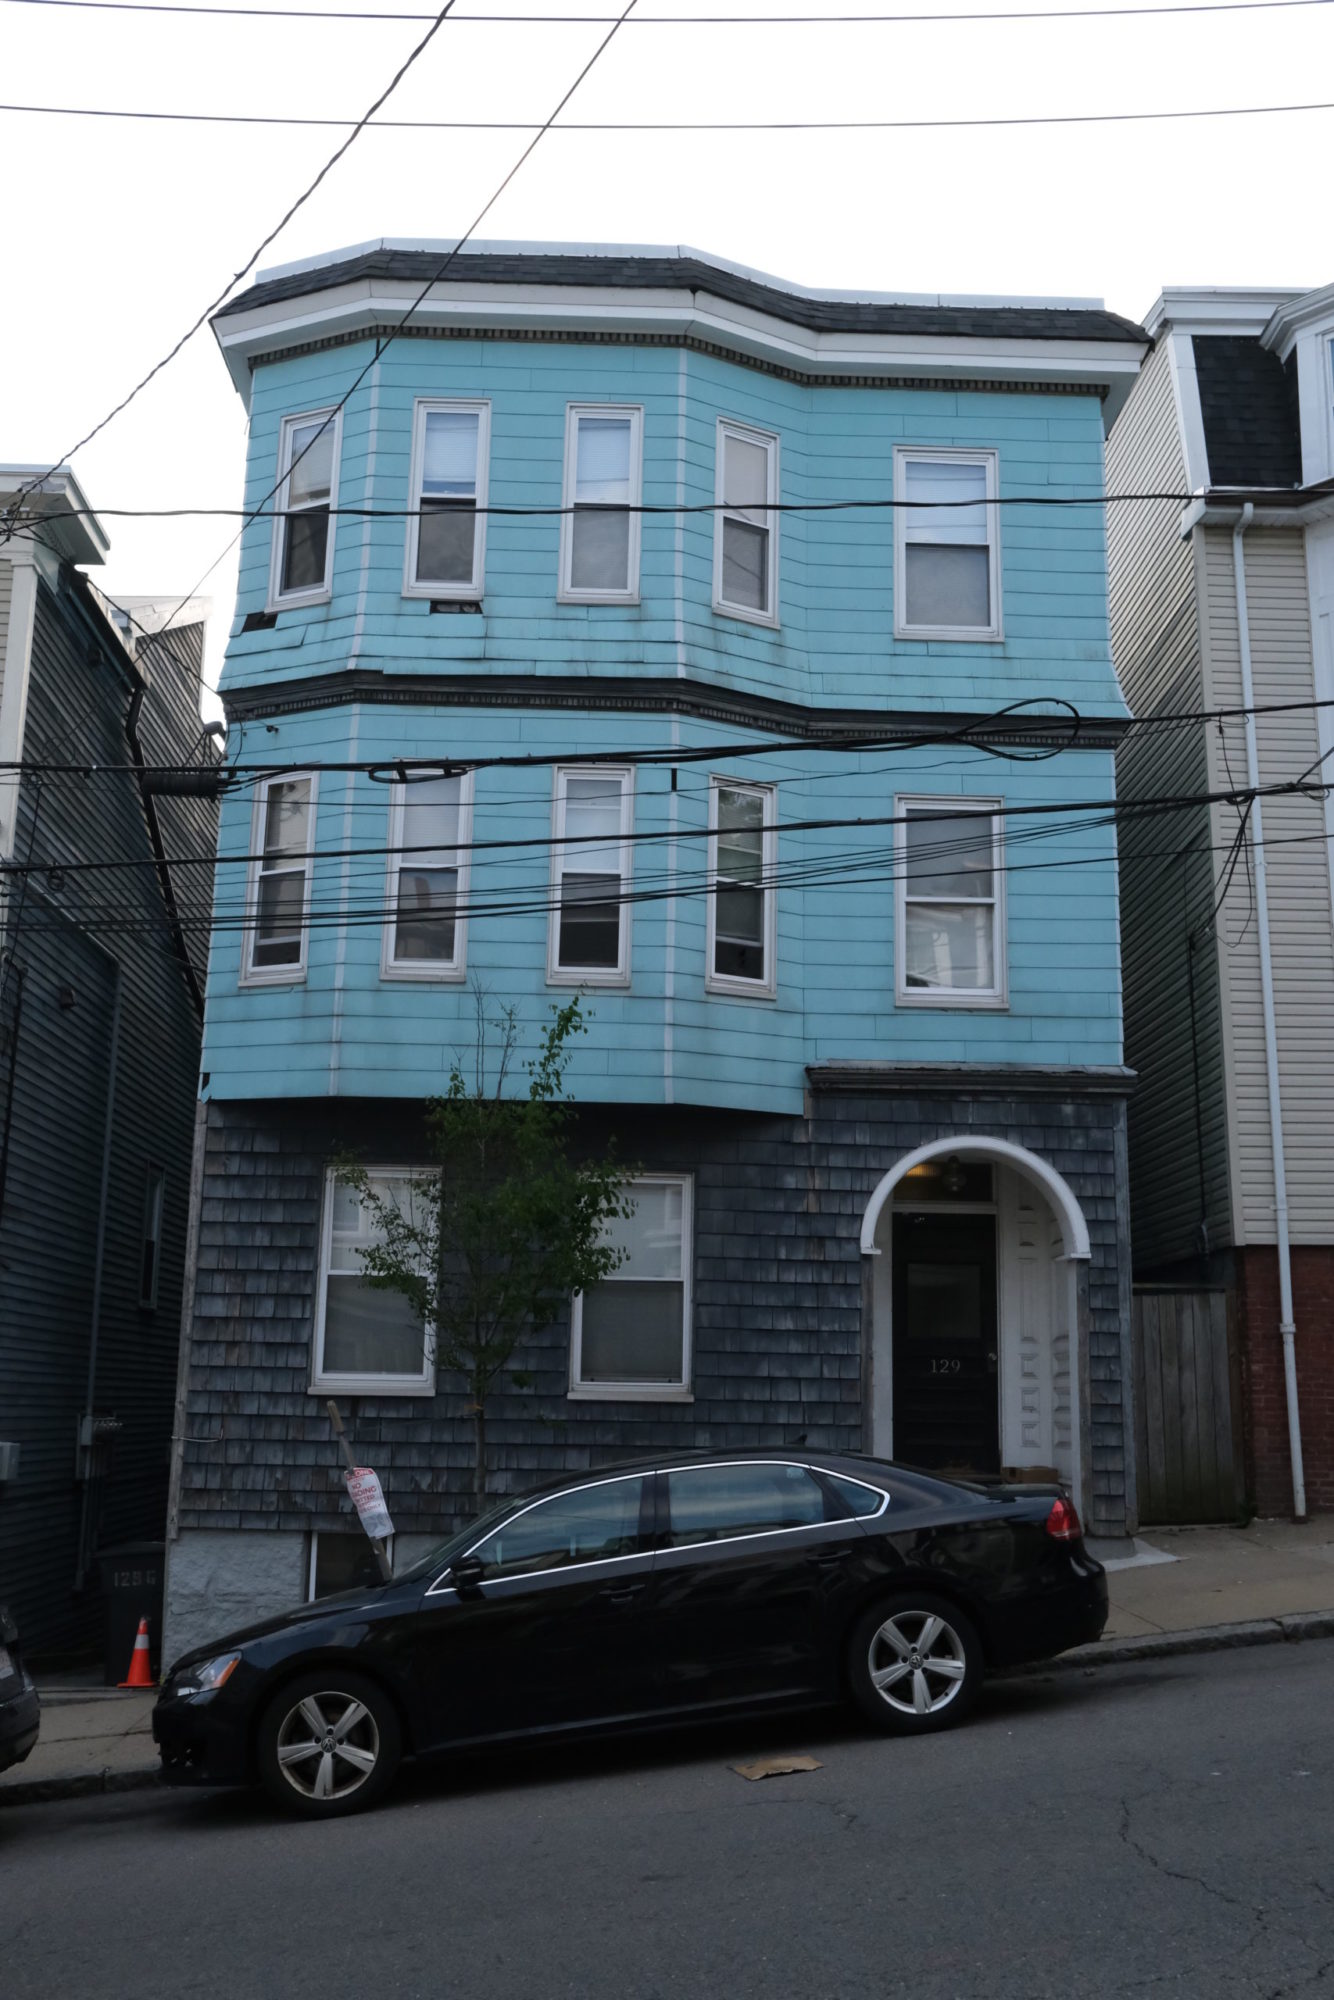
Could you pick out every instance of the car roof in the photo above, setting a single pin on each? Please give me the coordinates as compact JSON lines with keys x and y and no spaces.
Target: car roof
{"x":852,"y":1464}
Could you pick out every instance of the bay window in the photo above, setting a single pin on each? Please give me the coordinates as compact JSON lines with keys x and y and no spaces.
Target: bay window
{"x":599,"y":543}
{"x":745,"y":537}
{"x":590,"y":920}
{"x":947,"y":556}
{"x":430,"y":828}
{"x":301,"y":567}
{"x":278,"y":902}
{"x":741,"y":899}
{"x":447,"y":536}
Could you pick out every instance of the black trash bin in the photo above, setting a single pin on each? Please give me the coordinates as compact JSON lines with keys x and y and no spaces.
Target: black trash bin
{"x":131,"y":1590}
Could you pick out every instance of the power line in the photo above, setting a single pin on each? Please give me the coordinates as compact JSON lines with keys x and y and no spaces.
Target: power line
{"x":662,"y":125}
{"x":689,"y":20}
{"x":247,"y":267}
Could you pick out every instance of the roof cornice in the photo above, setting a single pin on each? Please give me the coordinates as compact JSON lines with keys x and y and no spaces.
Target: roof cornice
{"x":1295,"y":317}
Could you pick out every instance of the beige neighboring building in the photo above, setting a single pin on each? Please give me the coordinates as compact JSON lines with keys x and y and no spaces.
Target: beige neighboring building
{"x":1225,"y":601}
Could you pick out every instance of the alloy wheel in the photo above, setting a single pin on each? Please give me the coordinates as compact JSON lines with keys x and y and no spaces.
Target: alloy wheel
{"x":328,"y":1745}
{"x":917,"y":1662}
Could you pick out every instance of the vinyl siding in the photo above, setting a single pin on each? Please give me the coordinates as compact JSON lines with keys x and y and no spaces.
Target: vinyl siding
{"x":1301,"y":935}
{"x":1178,"y":1110}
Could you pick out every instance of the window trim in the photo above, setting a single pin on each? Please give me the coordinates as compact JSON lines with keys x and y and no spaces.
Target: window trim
{"x":435,"y":969}
{"x":997,"y":998}
{"x":594,"y":975}
{"x":645,"y":1392}
{"x":276,"y":975}
{"x":566,"y":592}
{"x":361,"y":1384}
{"x":726,"y":982}
{"x":769,"y":442}
{"x":989,"y":458}
{"x":292,"y":600}
{"x":475,"y":587}
{"x":155,"y":1176}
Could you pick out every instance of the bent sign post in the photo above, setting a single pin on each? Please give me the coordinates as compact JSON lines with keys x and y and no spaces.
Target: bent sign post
{"x":364,"y":1491}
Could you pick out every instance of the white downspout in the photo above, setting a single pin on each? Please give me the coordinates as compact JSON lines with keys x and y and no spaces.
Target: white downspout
{"x":1286,"y":1325}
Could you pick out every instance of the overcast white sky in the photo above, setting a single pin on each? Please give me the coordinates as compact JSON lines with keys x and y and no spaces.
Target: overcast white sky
{"x":118,"y":233}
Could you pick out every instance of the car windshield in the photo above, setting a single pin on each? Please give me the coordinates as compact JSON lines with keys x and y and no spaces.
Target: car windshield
{"x":458,"y":1544}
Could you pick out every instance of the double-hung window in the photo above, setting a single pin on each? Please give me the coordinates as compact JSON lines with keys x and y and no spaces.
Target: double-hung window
{"x":630,"y":1335}
{"x":430,"y":827}
{"x":745,"y":535}
{"x":950,"y":945}
{"x":599,"y":541}
{"x":590,"y":876}
{"x":368,"y":1341}
{"x":278,"y":905}
{"x":741,"y":898}
{"x":447,"y":533}
{"x":947,"y":548}
{"x":303,"y":534}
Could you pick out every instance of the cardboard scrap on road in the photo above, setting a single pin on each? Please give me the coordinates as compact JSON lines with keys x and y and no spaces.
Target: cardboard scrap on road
{"x":775,"y":1767}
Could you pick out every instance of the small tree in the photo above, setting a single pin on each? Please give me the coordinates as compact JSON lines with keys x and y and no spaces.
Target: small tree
{"x":505,"y":1227}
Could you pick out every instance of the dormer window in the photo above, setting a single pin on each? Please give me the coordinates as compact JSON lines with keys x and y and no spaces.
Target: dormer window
{"x":302,"y":563}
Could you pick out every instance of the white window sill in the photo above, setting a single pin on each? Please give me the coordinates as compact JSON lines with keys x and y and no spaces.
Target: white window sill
{"x":597,"y":597}
{"x":955,"y":634}
{"x":739,"y":989}
{"x":296,"y":976}
{"x":995,"y":1003}
{"x":745,"y":614}
{"x":439,"y":593}
{"x":630,"y":1392}
{"x":298,"y":601}
{"x":370,"y":1385}
{"x":435,"y":975}
{"x":565,"y":975}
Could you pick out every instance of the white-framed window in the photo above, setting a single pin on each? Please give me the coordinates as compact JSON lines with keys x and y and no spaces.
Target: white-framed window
{"x":446,"y":554}
{"x":745,"y":532}
{"x":599,"y":527}
{"x":630,"y":1335}
{"x":343,"y":1561}
{"x":430,"y":829}
{"x":950,"y":895}
{"x":368,"y":1341}
{"x":278,"y":901}
{"x":742,"y":855}
{"x":946,"y":544}
{"x":301,"y":567}
{"x":589,"y":938}
{"x":150,"y":1244}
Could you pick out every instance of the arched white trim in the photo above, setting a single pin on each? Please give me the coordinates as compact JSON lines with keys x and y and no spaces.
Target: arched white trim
{"x":1074,"y":1229}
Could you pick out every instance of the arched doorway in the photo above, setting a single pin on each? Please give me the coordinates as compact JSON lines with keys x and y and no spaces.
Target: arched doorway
{"x":977,"y":1312}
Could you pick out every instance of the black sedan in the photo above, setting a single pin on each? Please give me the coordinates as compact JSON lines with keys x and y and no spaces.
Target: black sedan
{"x":637,"y":1596}
{"x":20,"y":1710}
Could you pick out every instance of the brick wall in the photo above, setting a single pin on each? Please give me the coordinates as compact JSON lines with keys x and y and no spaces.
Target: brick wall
{"x":779,"y":1325}
{"x":1268,"y":1462}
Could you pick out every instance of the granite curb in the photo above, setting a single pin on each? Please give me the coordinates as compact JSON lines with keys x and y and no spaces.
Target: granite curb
{"x":1290,"y":1629}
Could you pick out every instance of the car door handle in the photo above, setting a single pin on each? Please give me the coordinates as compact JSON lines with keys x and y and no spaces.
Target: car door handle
{"x":827,"y":1558}
{"x":621,"y":1593}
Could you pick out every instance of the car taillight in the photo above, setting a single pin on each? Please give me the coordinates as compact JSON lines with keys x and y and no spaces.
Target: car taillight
{"x":1063,"y":1522}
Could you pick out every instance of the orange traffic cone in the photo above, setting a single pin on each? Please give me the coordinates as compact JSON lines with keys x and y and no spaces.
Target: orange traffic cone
{"x":140,"y":1676}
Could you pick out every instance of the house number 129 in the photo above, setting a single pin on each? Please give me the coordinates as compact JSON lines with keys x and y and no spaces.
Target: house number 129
{"x":944,"y":1365}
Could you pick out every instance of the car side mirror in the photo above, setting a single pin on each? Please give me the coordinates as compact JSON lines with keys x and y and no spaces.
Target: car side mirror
{"x":467,"y":1572}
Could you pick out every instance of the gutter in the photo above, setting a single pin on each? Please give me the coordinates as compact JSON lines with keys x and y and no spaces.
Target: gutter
{"x":1287,"y":1326}
{"x":1270,"y":507}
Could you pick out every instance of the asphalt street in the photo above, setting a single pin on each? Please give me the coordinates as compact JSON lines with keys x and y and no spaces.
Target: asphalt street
{"x":1165,"y":1828}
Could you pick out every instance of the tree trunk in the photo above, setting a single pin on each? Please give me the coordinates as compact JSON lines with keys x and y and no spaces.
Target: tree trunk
{"x":479,"y":1453}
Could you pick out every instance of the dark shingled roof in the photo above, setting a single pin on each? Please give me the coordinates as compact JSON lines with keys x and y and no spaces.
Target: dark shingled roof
{"x":1248,"y":401}
{"x":629,"y":273}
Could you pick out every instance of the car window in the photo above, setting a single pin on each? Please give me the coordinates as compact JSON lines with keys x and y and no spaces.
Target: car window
{"x":711,"y":1502}
{"x":861,"y":1499}
{"x":589,"y":1525}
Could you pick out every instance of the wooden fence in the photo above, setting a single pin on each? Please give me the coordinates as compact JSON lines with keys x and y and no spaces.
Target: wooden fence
{"x":1187,"y":1407}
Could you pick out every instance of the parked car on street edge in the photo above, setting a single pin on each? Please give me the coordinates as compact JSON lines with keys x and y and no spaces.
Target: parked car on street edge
{"x":637,"y":1596}
{"x":20,"y":1710}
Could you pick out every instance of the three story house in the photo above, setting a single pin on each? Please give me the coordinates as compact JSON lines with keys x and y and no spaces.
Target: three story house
{"x":746,"y":698}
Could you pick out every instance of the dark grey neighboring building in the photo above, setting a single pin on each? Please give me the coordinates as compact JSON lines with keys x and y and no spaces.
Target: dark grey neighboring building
{"x":101,"y":974}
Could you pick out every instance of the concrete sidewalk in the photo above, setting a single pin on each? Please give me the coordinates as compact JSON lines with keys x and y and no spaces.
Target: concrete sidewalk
{"x":1184,"y":1590}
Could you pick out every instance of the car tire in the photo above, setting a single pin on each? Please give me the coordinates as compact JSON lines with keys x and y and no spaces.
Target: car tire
{"x":328,"y":1743}
{"x":914,"y":1663}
